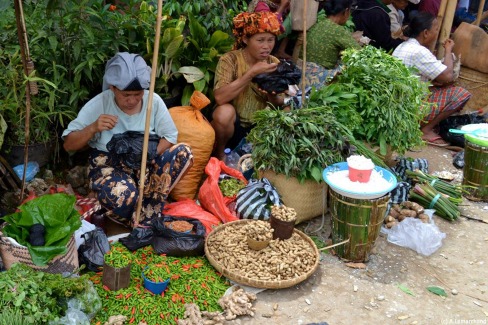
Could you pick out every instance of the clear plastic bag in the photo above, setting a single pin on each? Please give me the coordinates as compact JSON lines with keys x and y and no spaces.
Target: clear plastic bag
{"x":424,"y":238}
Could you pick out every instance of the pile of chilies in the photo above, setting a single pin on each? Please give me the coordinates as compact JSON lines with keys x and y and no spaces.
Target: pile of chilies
{"x":434,"y":193}
{"x":193,"y":280}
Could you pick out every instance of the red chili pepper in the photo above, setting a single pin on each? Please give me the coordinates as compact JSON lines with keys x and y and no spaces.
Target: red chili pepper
{"x":133,"y":310}
{"x":126,"y":307}
{"x":105,"y":288}
{"x":132,"y":320}
{"x":161,"y":315}
{"x":128,"y":295}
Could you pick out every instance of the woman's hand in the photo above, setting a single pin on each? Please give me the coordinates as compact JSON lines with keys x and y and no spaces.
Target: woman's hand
{"x":448,"y":45}
{"x":262,"y":67}
{"x":105,"y":122}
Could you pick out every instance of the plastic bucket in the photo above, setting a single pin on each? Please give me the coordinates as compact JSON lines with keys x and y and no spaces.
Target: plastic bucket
{"x":155,"y":287}
{"x":475,"y":172}
{"x":356,"y":220}
{"x":282,"y":229}
{"x":116,"y":278}
{"x":359,"y":175}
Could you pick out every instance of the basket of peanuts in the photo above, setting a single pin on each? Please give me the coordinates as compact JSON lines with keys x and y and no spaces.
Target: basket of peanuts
{"x":282,"y":221}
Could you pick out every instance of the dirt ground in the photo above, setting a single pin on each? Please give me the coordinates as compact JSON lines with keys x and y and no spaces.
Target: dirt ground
{"x":337,"y":294}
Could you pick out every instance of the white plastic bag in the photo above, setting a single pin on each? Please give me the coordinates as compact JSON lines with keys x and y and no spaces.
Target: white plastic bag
{"x":424,"y":238}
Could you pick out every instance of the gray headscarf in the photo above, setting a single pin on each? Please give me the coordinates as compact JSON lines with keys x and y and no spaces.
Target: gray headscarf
{"x":127,"y":71}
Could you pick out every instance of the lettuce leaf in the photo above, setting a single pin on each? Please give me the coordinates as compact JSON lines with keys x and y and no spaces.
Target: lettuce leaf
{"x":57,"y":213}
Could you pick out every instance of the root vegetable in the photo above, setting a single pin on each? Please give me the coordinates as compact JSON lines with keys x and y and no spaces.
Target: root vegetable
{"x":401,"y":217}
{"x":408,"y":213}
{"x":389,"y":219}
{"x":389,"y":225}
{"x":413,"y":206}
{"x":424,"y":217}
{"x":394,"y":213}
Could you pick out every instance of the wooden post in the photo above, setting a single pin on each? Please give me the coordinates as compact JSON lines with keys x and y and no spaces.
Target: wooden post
{"x":154,"y":67}
{"x":304,"y":62}
{"x":440,"y":19}
{"x":480,"y":13}
{"x":446,"y":27}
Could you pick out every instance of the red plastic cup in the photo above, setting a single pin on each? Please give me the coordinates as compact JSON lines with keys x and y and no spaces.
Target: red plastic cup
{"x":359,"y":175}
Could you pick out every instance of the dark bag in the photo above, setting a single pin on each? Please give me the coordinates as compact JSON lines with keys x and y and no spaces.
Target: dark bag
{"x":411,"y":164}
{"x":174,"y":243}
{"x":92,"y":251}
{"x":138,"y":238}
{"x":127,"y":147}
{"x":456,"y":122}
{"x":287,"y":73}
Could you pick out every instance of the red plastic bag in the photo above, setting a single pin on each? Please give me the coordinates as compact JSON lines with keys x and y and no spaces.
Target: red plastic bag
{"x":190,"y":209}
{"x":210,"y":196}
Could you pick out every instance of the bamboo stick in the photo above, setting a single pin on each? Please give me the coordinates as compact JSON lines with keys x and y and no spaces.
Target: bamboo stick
{"x":304,"y":59}
{"x":440,"y":19}
{"x":446,"y":27}
{"x":480,"y":13}
{"x":148,"y":113}
{"x":22,"y":37}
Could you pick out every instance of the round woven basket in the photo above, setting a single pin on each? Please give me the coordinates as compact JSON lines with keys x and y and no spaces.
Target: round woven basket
{"x":242,"y":279}
{"x":477,"y":84}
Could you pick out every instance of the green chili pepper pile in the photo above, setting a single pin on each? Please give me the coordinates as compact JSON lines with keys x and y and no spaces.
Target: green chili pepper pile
{"x":118,"y":256}
{"x":157,"y":272}
{"x":193,"y":280}
{"x":231,"y":186}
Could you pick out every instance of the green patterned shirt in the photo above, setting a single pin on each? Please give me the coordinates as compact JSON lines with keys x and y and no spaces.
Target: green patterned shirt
{"x":325,"y":42}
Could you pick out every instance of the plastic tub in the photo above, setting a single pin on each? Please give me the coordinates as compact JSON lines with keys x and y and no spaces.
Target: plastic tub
{"x":155,"y":287}
{"x":359,"y":175}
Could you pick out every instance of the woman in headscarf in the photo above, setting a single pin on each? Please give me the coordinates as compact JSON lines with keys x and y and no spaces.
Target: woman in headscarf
{"x":119,"y":111}
{"x":445,"y":97}
{"x":236,"y":96}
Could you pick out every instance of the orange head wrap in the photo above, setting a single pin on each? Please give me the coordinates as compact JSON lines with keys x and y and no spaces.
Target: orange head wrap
{"x":248,"y":24}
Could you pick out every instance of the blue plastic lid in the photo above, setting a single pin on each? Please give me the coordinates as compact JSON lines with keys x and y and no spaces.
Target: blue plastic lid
{"x":227,"y":151}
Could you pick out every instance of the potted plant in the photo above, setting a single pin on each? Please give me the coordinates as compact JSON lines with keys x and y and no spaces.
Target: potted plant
{"x":116,"y":267}
{"x":45,"y":115}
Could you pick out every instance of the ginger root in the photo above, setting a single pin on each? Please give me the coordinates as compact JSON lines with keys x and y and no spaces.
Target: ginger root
{"x":193,"y":316}
{"x":238,"y":303}
{"x":116,"y":320}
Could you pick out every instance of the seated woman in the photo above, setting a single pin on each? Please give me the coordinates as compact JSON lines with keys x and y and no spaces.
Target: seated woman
{"x":326,"y":39}
{"x":119,"y":109}
{"x":446,"y":98}
{"x":371,"y":16}
{"x":281,"y":9}
{"x":236,"y":96}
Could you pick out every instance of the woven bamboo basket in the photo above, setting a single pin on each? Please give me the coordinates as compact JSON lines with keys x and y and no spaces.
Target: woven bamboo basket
{"x":475,"y":172}
{"x":477,"y":84}
{"x":358,"y":221}
{"x":266,"y":284}
{"x":12,"y":254}
{"x":308,"y":199}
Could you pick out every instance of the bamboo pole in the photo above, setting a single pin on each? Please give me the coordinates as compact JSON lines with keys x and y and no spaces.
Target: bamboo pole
{"x":142,"y":179}
{"x":446,"y":27}
{"x":480,"y":13}
{"x":22,"y":36}
{"x":440,"y":19}
{"x":304,"y":59}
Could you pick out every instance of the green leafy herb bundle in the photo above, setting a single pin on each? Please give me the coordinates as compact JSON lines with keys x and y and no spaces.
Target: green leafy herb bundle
{"x":299,"y":143}
{"x":40,"y":297}
{"x":391,"y":98}
{"x":231,"y":186}
{"x":58,"y":215}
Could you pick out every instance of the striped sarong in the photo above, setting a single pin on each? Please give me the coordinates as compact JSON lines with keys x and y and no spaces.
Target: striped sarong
{"x":447,"y":98}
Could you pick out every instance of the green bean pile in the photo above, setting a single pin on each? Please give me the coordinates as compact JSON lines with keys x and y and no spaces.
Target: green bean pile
{"x":193,"y":280}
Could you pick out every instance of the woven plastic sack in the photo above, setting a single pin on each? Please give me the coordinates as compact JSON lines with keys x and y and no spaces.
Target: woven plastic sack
{"x":256,"y":199}
{"x":210,"y":196}
{"x":196,"y":131}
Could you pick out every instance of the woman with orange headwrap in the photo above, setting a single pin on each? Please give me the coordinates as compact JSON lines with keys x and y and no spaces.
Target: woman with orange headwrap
{"x":236,"y":96}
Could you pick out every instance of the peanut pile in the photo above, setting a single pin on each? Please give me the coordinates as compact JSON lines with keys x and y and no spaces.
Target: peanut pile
{"x":281,"y":260}
{"x":259,"y":230}
{"x":283,"y":213}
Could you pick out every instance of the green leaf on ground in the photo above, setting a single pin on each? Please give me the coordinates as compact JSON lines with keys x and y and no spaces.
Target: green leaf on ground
{"x":406,"y":290}
{"x":437,"y":290}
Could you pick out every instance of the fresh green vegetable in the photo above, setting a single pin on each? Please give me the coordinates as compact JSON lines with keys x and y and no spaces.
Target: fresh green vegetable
{"x":58,"y":215}
{"x":40,"y":297}
{"x":299,"y":143}
{"x":118,"y":256}
{"x":454,"y":192}
{"x":158,"y":272}
{"x":430,"y":198}
{"x":392,"y":99}
{"x":193,"y":280}
{"x":437,"y":290}
{"x":231,"y":186}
